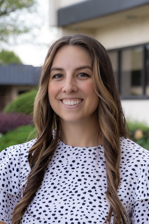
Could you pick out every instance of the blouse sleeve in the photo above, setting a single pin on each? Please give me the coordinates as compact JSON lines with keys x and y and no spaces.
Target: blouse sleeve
{"x":140,"y":211}
{"x":7,"y":204}
{"x":10,"y":182}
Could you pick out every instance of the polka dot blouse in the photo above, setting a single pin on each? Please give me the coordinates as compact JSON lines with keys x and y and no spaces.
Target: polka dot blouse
{"x":74,"y":185}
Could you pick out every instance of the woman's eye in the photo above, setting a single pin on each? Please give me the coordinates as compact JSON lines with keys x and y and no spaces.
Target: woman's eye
{"x":56,"y":76}
{"x":83,"y":74}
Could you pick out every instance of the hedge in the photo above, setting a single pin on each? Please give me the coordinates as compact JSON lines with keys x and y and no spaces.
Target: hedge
{"x":23,"y":103}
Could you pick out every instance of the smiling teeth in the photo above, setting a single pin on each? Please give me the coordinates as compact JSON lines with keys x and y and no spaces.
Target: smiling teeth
{"x":71,"y":102}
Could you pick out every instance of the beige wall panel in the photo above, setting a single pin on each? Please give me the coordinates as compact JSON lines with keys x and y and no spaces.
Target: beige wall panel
{"x":117,"y":35}
{"x":136,"y":110}
{"x":124,"y":34}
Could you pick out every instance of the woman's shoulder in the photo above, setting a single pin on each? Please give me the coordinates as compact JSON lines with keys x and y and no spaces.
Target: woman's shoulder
{"x":14,"y":167}
{"x":134,"y":159}
{"x":135,"y":168}
{"x":19,"y":147}
{"x":130,"y":149}
{"x":16,"y":150}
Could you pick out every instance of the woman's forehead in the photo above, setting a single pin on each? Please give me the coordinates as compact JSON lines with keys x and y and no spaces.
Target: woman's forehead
{"x":71,"y":54}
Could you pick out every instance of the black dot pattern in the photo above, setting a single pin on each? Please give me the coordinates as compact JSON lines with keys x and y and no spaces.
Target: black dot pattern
{"x":74,"y":185}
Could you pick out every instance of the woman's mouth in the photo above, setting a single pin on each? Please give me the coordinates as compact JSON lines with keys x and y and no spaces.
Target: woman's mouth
{"x":71,"y":102}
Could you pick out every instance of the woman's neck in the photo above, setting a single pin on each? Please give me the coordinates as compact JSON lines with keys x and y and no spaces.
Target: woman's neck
{"x":81,"y":134}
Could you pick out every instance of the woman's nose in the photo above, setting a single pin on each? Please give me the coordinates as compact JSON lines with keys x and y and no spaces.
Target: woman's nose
{"x":69,"y":85}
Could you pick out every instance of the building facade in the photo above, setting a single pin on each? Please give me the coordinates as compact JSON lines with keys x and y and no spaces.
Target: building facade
{"x":16,"y":79}
{"x":123,"y":28}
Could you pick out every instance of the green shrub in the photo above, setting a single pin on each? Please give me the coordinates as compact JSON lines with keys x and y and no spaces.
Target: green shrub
{"x":18,"y":136}
{"x":23,"y":103}
{"x":139,"y":133}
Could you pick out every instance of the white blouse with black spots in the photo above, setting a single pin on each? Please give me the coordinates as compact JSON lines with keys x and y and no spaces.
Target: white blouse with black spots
{"x":74,"y":185}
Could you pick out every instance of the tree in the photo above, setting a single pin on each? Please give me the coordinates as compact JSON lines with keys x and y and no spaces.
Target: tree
{"x":12,"y":17}
{"x":8,"y":57}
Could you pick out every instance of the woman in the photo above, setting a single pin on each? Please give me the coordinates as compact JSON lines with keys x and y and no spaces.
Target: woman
{"x":81,"y":168}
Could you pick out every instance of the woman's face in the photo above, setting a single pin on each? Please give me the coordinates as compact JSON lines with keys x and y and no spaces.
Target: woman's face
{"x":71,"y":89}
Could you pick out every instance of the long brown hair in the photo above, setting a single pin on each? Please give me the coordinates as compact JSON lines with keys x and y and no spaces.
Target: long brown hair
{"x":111,"y":123}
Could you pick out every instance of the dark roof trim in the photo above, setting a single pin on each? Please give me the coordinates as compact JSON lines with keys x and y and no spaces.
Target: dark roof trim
{"x":91,"y":9}
{"x":19,"y":74}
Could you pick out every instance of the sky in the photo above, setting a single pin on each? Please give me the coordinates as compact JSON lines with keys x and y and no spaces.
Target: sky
{"x":32,"y":47}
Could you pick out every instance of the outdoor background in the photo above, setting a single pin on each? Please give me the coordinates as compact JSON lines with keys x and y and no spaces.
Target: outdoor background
{"x":29,"y":27}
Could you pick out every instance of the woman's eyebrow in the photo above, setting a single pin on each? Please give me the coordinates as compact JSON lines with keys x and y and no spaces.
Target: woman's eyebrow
{"x":78,"y":68}
{"x":56,"y":68}
{"x":83,"y":67}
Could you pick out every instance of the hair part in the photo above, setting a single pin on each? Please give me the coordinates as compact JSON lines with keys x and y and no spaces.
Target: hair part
{"x":111,"y":122}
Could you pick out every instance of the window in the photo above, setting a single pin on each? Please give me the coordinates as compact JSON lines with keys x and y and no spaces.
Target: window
{"x":131,"y":68}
